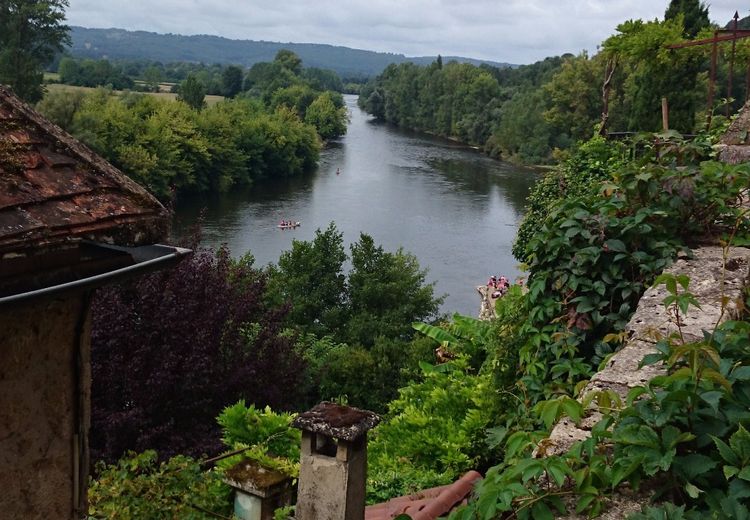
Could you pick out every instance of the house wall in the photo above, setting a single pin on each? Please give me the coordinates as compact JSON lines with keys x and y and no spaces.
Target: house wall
{"x":44,"y":395}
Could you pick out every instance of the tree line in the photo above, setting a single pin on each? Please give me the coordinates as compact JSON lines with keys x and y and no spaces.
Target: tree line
{"x":528,"y":113}
{"x":174,"y":148}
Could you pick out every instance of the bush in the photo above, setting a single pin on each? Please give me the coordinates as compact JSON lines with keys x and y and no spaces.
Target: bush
{"x":171,"y":349}
{"x":138,"y":486}
{"x":581,"y":174}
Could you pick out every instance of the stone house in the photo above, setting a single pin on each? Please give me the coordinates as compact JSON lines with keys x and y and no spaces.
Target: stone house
{"x":69,"y":222}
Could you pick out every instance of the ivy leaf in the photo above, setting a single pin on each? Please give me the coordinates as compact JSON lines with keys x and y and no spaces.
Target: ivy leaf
{"x":740,"y":443}
{"x":712,"y":398}
{"x":726,"y":452}
{"x":693,"y":465}
{"x":540,"y":511}
{"x":616,"y":245}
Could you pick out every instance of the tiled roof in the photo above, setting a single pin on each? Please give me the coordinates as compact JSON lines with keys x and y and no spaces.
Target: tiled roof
{"x":428,"y":504}
{"x":54,"y":189}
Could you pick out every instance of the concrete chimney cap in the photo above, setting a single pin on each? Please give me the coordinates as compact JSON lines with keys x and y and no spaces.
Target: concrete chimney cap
{"x":337,"y":421}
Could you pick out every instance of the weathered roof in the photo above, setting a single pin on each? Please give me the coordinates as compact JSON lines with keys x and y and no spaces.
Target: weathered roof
{"x":428,"y":504}
{"x":55,"y":189}
{"x":336,"y":421}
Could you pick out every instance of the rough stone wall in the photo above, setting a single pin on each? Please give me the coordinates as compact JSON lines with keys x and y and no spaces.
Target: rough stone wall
{"x":717,"y":284}
{"x":487,"y":307}
{"x":39,"y":406}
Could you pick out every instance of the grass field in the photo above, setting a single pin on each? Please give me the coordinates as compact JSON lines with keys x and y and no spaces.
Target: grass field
{"x":210,"y":100}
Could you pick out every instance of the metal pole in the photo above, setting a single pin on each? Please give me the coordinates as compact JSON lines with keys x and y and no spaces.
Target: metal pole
{"x":731,"y":61}
{"x":712,"y":82}
{"x":664,"y":114}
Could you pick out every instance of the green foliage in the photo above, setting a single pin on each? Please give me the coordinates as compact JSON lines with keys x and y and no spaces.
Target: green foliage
{"x":231,"y":81}
{"x":92,"y":73}
{"x":694,"y":15}
{"x":268,"y":437}
{"x":435,"y":430}
{"x":169,"y":147}
{"x":654,"y":72}
{"x":192,"y":92}
{"x":138,"y":486}
{"x":386,"y":293}
{"x":310,"y":276}
{"x":31,"y":32}
{"x":683,"y":432}
{"x":323,"y":114}
{"x":581,"y":174}
{"x":383,"y":294}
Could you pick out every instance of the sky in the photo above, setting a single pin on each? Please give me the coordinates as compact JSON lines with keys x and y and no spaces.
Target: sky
{"x":512,"y":31}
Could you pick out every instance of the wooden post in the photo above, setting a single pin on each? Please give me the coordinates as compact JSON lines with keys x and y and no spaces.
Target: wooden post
{"x":664,"y":114}
{"x":712,"y":82}
{"x":606,"y":87}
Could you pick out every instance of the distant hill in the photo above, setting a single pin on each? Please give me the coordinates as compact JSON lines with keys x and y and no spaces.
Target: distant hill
{"x":121,"y":44}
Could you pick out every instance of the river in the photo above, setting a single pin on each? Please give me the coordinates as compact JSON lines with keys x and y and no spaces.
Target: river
{"x":456,"y":210}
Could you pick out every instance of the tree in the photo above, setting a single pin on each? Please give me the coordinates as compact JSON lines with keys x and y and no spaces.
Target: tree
{"x":310,"y":276}
{"x":387,"y":293}
{"x":192,"y":92}
{"x":153,"y":77}
{"x":231,"y":81}
{"x":329,"y":121}
{"x":289,"y":60}
{"x":172,"y":349}
{"x":31,"y":32}
{"x":694,"y":12}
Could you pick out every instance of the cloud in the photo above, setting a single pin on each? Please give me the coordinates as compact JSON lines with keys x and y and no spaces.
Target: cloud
{"x":516,"y":31}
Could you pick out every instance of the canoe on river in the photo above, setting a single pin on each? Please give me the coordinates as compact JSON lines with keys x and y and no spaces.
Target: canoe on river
{"x":291,"y":225}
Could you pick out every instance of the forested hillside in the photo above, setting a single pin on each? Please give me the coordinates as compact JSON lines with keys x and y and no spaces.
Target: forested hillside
{"x":121,"y":44}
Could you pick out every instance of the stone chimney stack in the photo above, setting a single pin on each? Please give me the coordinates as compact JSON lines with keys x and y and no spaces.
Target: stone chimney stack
{"x":333,"y":466}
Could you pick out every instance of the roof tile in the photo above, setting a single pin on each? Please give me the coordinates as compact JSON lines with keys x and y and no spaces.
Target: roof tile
{"x":53,"y":188}
{"x":428,"y":504}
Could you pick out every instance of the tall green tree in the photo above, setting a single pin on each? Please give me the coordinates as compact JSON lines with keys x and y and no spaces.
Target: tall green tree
{"x":192,"y":92}
{"x":327,"y":119}
{"x":310,"y":276}
{"x":31,"y":32}
{"x":694,"y":13}
{"x":387,"y":293}
{"x":231,"y":81}
{"x":289,"y":60}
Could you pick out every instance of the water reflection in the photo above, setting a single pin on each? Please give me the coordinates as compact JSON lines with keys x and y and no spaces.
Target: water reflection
{"x":455,"y":209}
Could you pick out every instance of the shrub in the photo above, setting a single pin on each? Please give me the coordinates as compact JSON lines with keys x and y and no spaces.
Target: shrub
{"x":171,"y":349}
{"x":138,"y":486}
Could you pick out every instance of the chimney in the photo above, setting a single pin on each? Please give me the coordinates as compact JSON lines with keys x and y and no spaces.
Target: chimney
{"x":259,"y":491}
{"x":333,"y":466}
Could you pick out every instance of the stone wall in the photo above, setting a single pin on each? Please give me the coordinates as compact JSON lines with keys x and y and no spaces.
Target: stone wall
{"x":718,"y":283}
{"x":43,"y":382}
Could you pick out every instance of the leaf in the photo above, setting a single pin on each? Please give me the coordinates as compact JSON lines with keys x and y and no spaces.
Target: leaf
{"x":495,"y":436}
{"x":616,"y":245}
{"x":438,"y":334}
{"x":540,"y":511}
{"x":740,"y":443}
{"x":712,"y":398}
{"x":730,"y":471}
{"x":692,"y":490}
{"x":726,"y":452}
{"x":693,"y":465}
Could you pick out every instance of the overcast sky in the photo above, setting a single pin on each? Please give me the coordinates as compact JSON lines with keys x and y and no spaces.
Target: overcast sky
{"x":514,"y":31}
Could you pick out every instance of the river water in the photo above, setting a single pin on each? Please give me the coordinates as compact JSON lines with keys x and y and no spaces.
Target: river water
{"x":456,"y":210}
